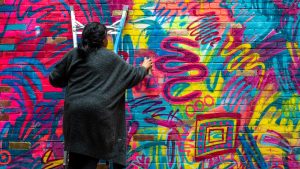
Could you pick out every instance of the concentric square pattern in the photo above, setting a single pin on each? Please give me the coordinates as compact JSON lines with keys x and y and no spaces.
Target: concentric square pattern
{"x":216,"y":134}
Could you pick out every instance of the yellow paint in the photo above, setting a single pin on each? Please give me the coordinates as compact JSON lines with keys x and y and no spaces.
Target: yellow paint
{"x":209,"y":56}
{"x":110,"y":44}
{"x":137,"y":36}
{"x":49,"y":164}
{"x":294,"y":133}
{"x":216,"y":141}
{"x":202,"y":5}
{"x":261,"y":105}
{"x":286,"y":127}
{"x":293,"y":46}
{"x":201,"y":86}
{"x":190,"y":155}
{"x":250,"y":60}
{"x":245,"y":58}
{"x":138,"y":13}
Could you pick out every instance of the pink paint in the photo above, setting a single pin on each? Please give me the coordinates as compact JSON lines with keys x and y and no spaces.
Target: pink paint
{"x":150,"y":86}
{"x":137,"y":161}
{"x":185,"y":56}
{"x":205,"y":29}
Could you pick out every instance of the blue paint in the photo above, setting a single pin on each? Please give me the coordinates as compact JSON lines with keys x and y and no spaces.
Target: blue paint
{"x":10,"y":110}
{"x":230,"y":164}
{"x":235,"y":96}
{"x":43,"y":12}
{"x":66,"y":5}
{"x":180,"y":3}
{"x":30,"y":61}
{"x":7,"y":8}
{"x":290,"y":28}
{"x":283,"y":78}
{"x":276,"y":104}
{"x":104,"y":10}
{"x":57,"y":28}
{"x":7,"y":47}
{"x":162,"y":16}
{"x":177,"y":89}
{"x":145,"y":8}
{"x":183,"y":16}
{"x":285,"y":160}
{"x":15,"y":83}
{"x":42,"y":116}
{"x":37,"y":31}
{"x":84,"y":11}
{"x":258,"y":11}
{"x":212,"y":84}
{"x":215,"y":65}
{"x":16,"y":27}
{"x":182,"y":24}
{"x":19,"y":76}
{"x":241,"y":157}
{"x":68,"y":46}
{"x":296,"y":150}
{"x":243,"y":95}
{"x":117,"y":39}
{"x":145,"y":107}
{"x":230,"y":88}
{"x":127,"y":47}
{"x":249,"y":153}
{"x":283,"y":145}
{"x":258,"y":156}
{"x":5,"y":129}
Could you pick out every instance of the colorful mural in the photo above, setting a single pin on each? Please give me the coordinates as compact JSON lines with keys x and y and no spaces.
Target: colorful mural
{"x":223,"y":93}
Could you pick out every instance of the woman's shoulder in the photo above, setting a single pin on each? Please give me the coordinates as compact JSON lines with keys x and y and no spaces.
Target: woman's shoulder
{"x":108,"y":53}
{"x":71,"y":52}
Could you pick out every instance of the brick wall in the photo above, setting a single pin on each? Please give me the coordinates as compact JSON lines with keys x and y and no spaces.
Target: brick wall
{"x":224,"y":91}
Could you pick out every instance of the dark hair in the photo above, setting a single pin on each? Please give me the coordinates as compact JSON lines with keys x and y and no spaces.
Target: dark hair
{"x":93,"y":35}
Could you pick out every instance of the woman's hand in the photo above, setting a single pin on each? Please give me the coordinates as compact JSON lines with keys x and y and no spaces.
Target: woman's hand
{"x":147,"y":63}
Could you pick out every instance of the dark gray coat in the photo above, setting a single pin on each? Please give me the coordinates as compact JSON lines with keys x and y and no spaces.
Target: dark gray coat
{"x":94,"y":108}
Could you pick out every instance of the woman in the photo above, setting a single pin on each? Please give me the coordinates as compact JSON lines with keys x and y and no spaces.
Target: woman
{"x":94,"y":109}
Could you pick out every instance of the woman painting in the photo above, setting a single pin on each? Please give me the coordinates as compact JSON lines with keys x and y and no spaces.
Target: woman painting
{"x":95,"y":79}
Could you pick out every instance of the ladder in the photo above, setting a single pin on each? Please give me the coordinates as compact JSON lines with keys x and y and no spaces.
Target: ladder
{"x":114,"y":29}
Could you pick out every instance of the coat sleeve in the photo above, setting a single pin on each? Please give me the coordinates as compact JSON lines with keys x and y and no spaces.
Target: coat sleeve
{"x":58,"y":76}
{"x":131,"y":75}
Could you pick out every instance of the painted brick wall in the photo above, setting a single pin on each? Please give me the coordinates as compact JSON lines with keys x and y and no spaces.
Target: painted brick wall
{"x":224,"y":91}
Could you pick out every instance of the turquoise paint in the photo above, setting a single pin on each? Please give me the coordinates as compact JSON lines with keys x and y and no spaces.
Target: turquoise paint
{"x":7,"y":47}
{"x":16,"y":27}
